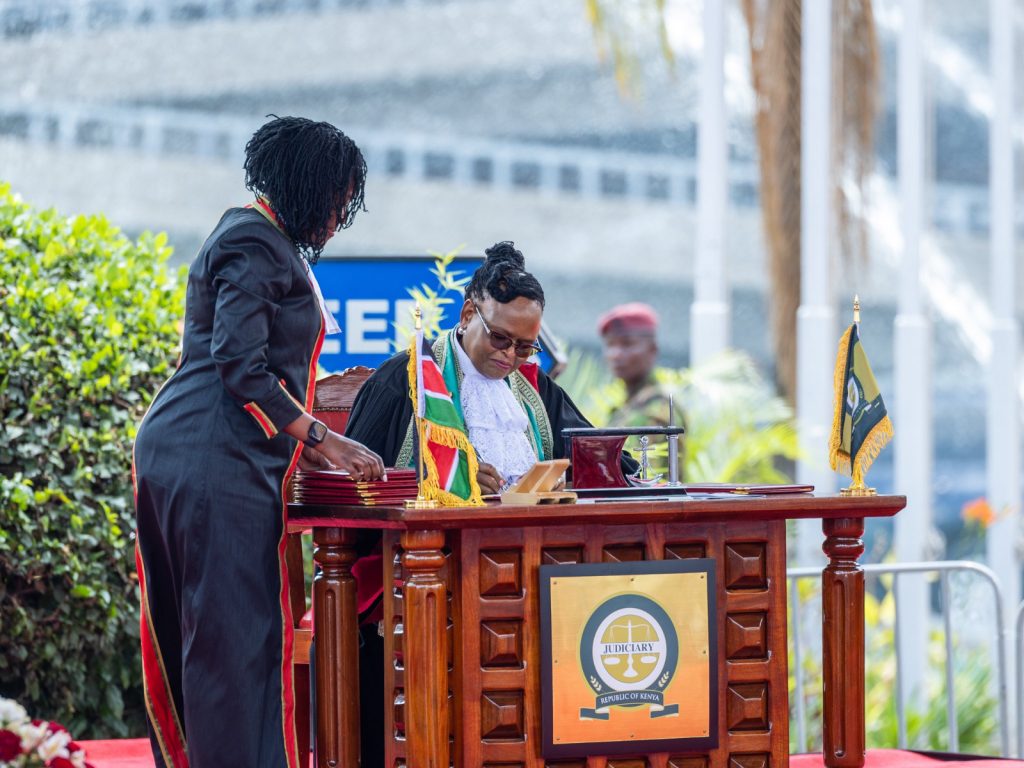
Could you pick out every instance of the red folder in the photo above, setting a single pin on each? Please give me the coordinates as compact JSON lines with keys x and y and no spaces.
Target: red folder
{"x":337,"y":487}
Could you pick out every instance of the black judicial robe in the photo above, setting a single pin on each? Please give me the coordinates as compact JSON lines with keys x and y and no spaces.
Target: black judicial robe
{"x":383,"y":409}
{"x":210,"y":467}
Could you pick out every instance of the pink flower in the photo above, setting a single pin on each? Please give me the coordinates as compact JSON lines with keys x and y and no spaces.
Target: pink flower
{"x":10,"y":745}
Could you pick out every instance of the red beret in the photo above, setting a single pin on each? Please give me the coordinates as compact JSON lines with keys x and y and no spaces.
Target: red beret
{"x":635,"y":316}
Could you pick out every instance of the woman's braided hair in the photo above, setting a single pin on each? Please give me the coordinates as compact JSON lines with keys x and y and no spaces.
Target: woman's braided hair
{"x":503,"y":277}
{"x":304,"y":170}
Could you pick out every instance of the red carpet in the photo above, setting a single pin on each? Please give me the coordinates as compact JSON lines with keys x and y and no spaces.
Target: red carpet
{"x":134,"y":753}
{"x":899,"y":758}
{"x":120,"y":753}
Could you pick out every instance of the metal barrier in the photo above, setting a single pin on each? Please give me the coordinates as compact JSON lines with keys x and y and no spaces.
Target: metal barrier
{"x":1019,"y":624}
{"x":943,"y":569}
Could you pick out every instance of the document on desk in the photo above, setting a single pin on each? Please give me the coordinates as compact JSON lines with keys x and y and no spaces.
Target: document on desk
{"x":684,"y":499}
{"x":738,"y":489}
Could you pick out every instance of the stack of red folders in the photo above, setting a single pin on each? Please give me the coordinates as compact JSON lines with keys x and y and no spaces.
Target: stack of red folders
{"x":336,"y":487}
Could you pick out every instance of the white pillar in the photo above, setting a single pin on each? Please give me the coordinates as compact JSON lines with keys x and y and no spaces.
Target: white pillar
{"x":709,"y":313}
{"x":912,"y":355}
{"x":1003,"y":433}
{"x":817,"y":339}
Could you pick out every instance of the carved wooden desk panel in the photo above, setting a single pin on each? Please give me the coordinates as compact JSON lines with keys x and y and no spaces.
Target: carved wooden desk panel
{"x":463,"y":617}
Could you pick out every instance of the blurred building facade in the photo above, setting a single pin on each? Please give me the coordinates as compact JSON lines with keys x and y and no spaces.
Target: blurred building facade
{"x":485,"y":120}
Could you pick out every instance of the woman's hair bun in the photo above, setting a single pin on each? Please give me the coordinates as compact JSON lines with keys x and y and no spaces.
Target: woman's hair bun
{"x":506,"y":252}
{"x":503,"y":276}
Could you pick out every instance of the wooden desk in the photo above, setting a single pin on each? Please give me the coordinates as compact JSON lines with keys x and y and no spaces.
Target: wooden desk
{"x":463,"y":631}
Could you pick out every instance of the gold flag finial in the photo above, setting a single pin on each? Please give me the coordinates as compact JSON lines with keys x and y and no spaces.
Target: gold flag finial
{"x":856,"y":308}
{"x":422,"y":430}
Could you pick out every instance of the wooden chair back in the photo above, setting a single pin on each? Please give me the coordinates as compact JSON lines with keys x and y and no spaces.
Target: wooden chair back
{"x":336,"y":394}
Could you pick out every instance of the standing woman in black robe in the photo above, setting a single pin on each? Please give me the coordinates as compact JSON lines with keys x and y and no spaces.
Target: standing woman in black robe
{"x":215,"y":450}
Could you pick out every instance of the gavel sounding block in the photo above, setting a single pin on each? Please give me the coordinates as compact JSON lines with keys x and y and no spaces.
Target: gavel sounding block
{"x":535,"y":487}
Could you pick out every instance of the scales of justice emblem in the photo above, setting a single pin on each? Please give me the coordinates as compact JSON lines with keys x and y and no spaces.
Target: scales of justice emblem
{"x":628,"y":652}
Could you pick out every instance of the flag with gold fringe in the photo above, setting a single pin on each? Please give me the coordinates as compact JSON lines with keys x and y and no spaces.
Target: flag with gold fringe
{"x":860,"y":425}
{"x":450,"y":460}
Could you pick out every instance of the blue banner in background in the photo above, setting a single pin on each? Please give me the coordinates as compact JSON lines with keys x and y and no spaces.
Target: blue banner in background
{"x":370,"y":294}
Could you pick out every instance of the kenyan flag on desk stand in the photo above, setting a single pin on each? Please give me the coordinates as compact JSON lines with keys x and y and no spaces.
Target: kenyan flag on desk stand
{"x":860,"y":425}
{"x":450,"y":461}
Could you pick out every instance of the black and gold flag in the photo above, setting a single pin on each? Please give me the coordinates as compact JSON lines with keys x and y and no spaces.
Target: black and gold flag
{"x":860,"y":426}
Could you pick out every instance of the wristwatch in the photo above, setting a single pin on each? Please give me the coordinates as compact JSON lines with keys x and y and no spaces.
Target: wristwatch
{"x":316,"y":435}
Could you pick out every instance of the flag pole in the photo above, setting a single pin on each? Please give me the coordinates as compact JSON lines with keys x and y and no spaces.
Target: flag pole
{"x":421,"y":501}
{"x":857,"y":487}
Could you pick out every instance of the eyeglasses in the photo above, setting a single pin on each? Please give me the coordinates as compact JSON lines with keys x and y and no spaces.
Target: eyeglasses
{"x":501,"y":342}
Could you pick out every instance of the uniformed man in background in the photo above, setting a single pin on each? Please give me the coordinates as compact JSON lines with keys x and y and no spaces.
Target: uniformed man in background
{"x":629,"y":332}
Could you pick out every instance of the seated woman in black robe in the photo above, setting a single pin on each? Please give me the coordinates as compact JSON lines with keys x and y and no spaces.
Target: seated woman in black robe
{"x":514,"y":412}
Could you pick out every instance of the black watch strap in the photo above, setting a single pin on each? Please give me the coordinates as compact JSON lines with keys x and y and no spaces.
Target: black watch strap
{"x":317,"y":433}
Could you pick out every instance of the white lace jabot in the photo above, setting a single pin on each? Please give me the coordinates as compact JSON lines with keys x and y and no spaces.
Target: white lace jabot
{"x":495,"y":420}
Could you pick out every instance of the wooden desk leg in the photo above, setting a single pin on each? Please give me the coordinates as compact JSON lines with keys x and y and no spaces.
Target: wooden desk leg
{"x":842,"y":601}
{"x":426,"y":650}
{"x":337,"y":649}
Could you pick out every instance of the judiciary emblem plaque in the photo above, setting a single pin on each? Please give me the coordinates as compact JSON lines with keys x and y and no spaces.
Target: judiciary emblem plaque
{"x":627,"y":652}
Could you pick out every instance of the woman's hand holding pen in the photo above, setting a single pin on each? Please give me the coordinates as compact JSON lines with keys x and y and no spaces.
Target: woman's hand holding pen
{"x":489,"y":478}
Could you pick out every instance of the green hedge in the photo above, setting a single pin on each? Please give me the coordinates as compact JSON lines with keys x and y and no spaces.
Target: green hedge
{"x":88,"y":331}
